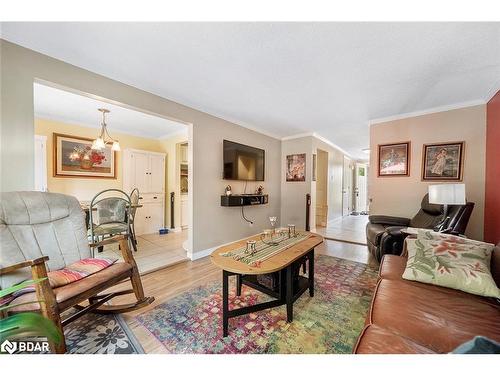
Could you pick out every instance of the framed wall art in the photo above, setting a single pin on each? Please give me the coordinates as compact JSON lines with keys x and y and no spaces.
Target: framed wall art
{"x":296,"y":168}
{"x":394,"y":159}
{"x":443,"y":161}
{"x":74,"y":157}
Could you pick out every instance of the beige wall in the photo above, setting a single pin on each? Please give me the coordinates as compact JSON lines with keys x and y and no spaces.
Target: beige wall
{"x":86,"y":188}
{"x":211,"y":224}
{"x":296,"y":191}
{"x":401,"y":196}
{"x":293,"y":194}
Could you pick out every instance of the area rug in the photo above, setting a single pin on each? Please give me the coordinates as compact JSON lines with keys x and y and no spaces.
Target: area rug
{"x":101,"y":334}
{"x":329,"y":322}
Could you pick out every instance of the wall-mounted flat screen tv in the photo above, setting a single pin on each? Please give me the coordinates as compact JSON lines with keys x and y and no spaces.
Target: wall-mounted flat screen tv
{"x":243,"y":162}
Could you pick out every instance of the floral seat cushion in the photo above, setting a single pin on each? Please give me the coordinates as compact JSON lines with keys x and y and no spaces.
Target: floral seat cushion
{"x":69,"y":274}
{"x":451,"y":262}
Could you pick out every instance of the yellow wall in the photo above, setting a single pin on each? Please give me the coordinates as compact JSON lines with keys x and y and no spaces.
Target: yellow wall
{"x":86,"y":188}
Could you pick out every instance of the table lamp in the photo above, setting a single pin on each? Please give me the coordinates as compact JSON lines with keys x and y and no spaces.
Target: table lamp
{"x":446,"y":194}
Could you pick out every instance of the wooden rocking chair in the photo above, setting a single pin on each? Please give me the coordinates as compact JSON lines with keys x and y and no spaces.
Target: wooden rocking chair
{"x":43,"y":232}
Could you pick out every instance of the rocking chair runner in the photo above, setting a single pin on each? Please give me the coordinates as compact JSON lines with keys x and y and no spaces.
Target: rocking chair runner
{"x":43,"y":232}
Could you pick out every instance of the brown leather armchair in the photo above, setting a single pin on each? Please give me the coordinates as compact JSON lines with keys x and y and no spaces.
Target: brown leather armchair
{"x":384,"y":235}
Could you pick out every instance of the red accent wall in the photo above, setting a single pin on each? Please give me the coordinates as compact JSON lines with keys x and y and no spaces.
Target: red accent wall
{"x":492,"y":198}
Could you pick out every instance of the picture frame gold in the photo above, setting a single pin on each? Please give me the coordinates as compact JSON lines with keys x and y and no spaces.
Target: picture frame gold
{"x":99,"y":166}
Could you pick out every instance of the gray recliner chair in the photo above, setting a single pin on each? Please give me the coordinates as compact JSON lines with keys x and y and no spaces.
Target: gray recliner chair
{"x":384,"y":235}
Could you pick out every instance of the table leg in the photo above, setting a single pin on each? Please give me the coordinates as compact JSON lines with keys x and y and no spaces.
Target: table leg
{"x":289,"y":293}
{"x":311,"y":273}
{"x":225,"y":303}
{"x":238,"y":285}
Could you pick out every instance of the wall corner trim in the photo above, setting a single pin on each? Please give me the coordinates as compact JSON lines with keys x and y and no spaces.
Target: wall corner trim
{"x":318,"y":137}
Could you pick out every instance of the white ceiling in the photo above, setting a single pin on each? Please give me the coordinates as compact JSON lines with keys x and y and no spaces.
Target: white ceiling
{"x":54,"y":104}
{"x":287,"y":78}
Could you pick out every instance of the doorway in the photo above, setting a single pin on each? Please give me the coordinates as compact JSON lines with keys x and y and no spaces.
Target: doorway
{"x":321,"y":188}
{"x":347,"y":182}
{"x":67,"y":122}
{"x":361,"y":189}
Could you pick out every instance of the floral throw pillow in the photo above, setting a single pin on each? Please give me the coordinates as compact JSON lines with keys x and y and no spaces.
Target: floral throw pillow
{"x":451,"y":262}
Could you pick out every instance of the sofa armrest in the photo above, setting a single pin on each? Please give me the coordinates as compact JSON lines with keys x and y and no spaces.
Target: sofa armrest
{"x":389,"y":220}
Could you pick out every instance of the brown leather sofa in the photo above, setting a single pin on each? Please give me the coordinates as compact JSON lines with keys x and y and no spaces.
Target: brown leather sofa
{"x":412,"y":317}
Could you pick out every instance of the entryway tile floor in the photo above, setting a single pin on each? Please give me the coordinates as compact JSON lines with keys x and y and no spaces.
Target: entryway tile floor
{"x":154,"y":251}
{"x":346,"y":229}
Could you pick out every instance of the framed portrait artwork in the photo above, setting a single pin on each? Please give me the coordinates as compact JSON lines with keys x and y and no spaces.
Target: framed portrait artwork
{"x":296,"y":168}
{"x":443,"y":161}
{"x":394,"y":159}
{"x":74,"y":157}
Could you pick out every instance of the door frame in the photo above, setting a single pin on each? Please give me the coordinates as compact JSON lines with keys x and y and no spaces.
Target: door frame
{"x":43,"y":140}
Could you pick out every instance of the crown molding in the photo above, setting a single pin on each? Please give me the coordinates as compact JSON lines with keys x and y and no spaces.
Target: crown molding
{"x":428,"y":111}
{"x":320,"y":138}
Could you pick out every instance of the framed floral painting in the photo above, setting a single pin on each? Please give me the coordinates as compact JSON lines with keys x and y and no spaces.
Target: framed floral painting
{"x":394,"y":159}
{"x":74,"y":157}
{"x":443,"y":161}
{"x":296,"y":168}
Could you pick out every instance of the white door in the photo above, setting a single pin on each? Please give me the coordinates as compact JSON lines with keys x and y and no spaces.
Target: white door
{"x":361,"y":191}
{"x":40,"y":163}
{"x":346,"y":187}
{"x":157,"y":173}
{"x":140,"y":171}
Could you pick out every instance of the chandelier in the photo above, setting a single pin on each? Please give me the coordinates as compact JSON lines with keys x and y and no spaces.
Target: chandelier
{"x":102,"y":140}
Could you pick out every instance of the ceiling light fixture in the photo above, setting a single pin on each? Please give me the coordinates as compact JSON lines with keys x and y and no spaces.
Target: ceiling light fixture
{"x":366,"y":150}
{"x":100,"y":142}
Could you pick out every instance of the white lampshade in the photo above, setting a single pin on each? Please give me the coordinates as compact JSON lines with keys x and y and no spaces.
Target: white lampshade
{"x":447,"y":194}
{"x":116,"y":146}
{"x":98,"y":144}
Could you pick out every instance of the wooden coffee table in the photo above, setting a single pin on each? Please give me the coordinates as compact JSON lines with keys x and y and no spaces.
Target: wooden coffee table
{"x":282,"y":263}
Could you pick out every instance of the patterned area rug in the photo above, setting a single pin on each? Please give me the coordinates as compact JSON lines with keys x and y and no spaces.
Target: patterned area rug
{"x":101,"y":334}
{"x":330,"y":322}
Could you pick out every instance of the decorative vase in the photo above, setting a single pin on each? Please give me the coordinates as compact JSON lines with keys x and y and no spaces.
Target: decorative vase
{"x":86,"y":164}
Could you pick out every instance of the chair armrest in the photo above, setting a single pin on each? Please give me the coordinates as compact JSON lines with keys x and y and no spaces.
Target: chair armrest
{"x":110,"y":240}
{"x":389,"y":220}
{"x":394,"y":230}
{"x":26,"y":263}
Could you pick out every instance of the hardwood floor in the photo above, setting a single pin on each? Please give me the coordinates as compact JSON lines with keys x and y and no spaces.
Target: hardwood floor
{"x":172,"y":281}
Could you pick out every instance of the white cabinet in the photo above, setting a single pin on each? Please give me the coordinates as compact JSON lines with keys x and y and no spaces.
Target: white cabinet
{"x":145,"y":171}
{"x":184,"y":211}
{"x":184,"y":153}
{"x":149,"y":217}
